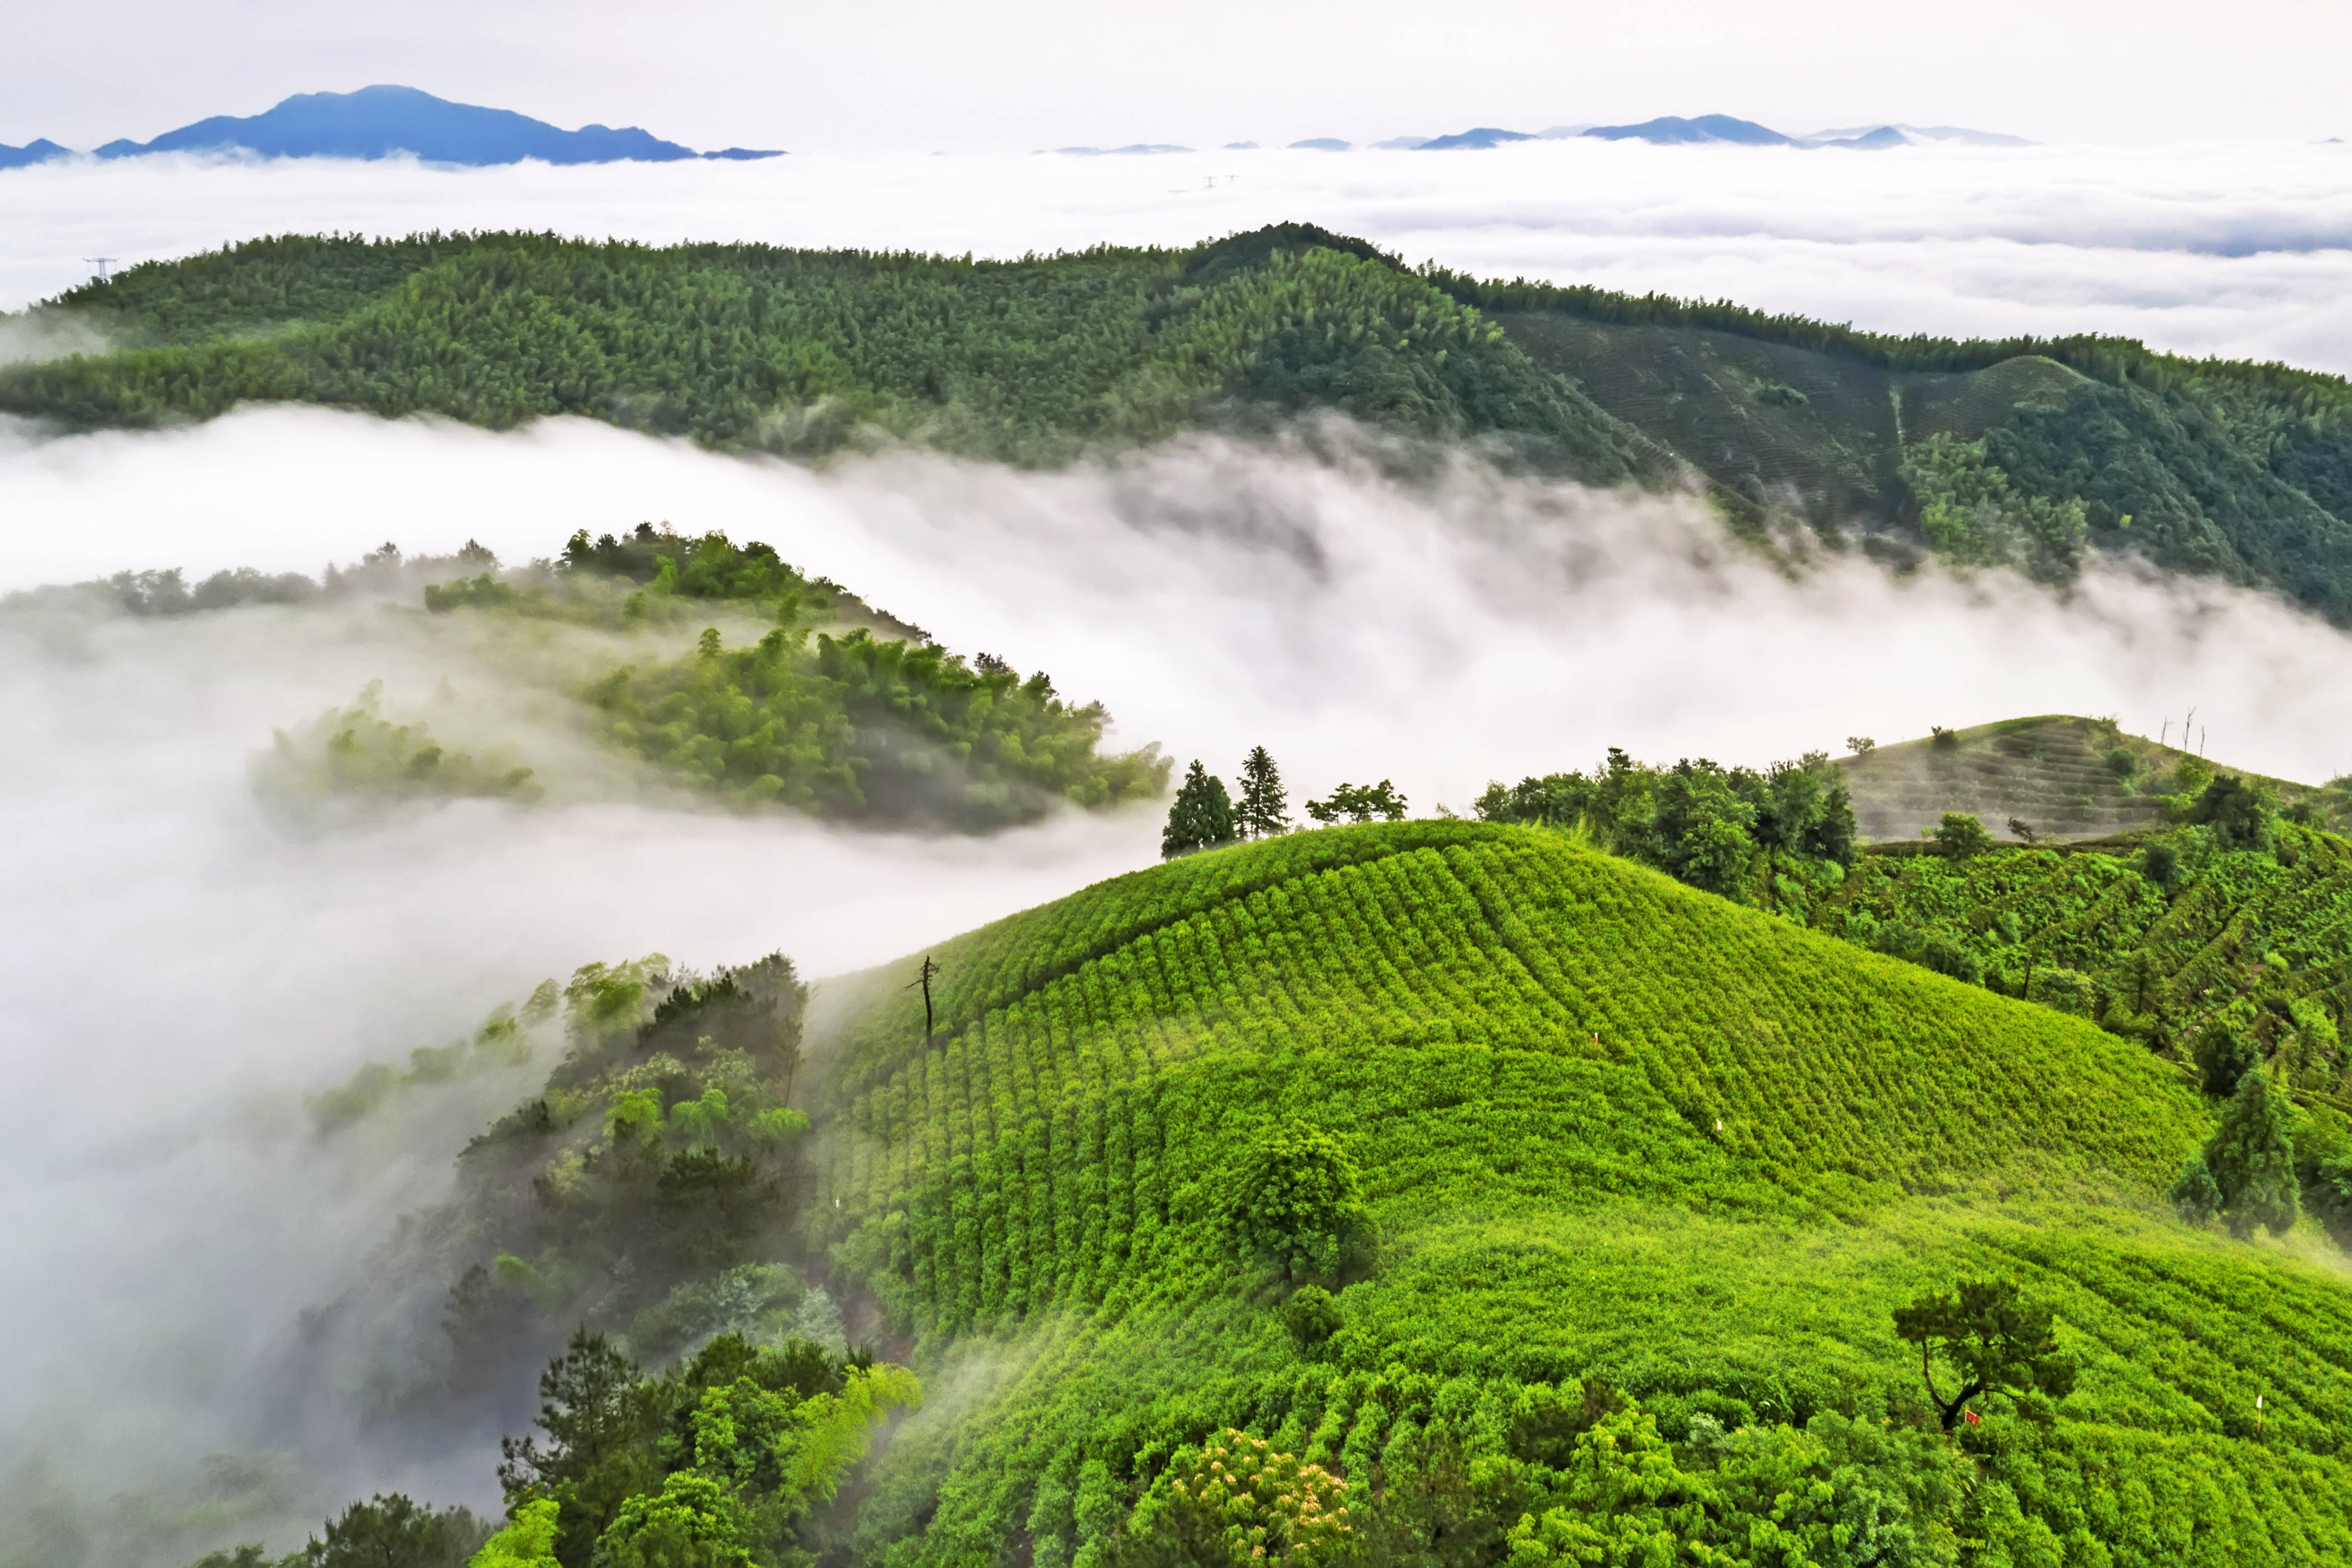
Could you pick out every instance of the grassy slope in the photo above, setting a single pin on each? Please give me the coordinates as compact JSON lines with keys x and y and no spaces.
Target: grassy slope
{"x":1528,"y":1047}
{"x":2051,"y":772}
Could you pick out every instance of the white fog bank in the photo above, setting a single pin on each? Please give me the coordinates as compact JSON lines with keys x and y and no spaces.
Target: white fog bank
{"x":2239,"y":248}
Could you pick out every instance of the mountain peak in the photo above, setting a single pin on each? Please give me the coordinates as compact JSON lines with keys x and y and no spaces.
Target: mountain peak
{"x":1674,"y":130}
{"x":387,"y":119}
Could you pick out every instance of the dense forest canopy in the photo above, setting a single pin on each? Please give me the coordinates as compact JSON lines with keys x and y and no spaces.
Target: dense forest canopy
{"x":2022,"y":452}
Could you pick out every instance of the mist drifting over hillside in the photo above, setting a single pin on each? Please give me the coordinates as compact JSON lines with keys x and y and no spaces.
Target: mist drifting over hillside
{"x":186,"y":971}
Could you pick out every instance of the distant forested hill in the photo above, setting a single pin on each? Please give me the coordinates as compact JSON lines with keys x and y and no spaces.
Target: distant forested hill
{"x":2023,"y":452}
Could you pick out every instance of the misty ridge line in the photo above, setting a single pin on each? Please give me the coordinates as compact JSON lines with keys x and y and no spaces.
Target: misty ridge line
{"x":1979,"y":452}
{"x":387,"y":120}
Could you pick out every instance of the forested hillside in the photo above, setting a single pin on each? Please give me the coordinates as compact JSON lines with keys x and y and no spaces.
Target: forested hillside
{"x":2022,"y":452}
{"x":1035,"y":360}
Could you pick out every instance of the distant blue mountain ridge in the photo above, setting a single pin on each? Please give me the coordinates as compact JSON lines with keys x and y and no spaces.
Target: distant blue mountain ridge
{"x":1671,"y":131}
{"x":386,"y":122}
{"x":39,"y":151}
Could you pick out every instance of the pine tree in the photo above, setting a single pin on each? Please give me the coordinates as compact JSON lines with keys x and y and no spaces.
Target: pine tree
{"x":2251,"y":1156}
{"x":1202,"y":817}
{"x":2196,"y":1193}
{"x":1264,"y":810}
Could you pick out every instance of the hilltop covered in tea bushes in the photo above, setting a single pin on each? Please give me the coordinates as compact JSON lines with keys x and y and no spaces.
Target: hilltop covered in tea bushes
{"x":1412,"y":1192}
{"x":1639,"y":1177}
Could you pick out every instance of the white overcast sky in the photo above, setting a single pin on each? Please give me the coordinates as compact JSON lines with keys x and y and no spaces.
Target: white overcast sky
{"x":934,"y":74}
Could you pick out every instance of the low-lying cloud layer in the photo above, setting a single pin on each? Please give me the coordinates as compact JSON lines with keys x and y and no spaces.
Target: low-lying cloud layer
{"x":181,"y":971}
{"x":2236,"y":248}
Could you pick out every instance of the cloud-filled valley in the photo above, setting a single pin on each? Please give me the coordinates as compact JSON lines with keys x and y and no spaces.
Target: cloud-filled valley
{"x":2236,"y":248}
{"x":186,"y":968}
{"x":212,"y":969}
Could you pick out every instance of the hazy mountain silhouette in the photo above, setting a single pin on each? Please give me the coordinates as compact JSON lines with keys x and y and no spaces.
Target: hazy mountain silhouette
{"x":382,"y":122}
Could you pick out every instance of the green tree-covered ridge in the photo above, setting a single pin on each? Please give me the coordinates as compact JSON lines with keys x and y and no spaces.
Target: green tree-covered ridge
{"x":812,"y":709}
{"x":2021,"y":450}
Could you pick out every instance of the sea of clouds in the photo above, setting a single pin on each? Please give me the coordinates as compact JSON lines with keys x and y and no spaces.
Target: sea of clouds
{"x":182,"y":969}
{"x":2235,"y":248}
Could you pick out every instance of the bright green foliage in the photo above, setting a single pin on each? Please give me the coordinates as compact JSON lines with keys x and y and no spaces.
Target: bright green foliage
{"x":1151,"y":1038}
{"x":866,"y":730}
{"x":357,"y":750}
{"x":1993,"y":1342}
{"x":2223,"y":958}
{"x":2252,"y":1158}
{"x":1835,"y":1493}
{"x":1200,"y":818}
{"x":1772,"y":839}
{"x":1972,"y":514}
{"x":1359,"y":803}
{"x":716,"y":1464}
{"x":838,"y":1427}
{"x":691,"y":1524}
{"x":527,"y":1542}
{"x":1295,"y":1203}
{"x":1960,"y":835}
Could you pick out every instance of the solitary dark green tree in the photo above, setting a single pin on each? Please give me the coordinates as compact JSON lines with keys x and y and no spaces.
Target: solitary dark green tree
{"x":2251,"y":1156}
{"x":596,"y":1421}
{"x":1960,"y":836}
{"x":394,"y":1532}
{"x":1992,"y":1341}
{"x":2225,"y":1056}
{"x":1296,"y":1202}
{"x":2240,"y":813}
{"x":1311,"y":1316}
{"x":1264,"y":810}
{"x":1202,"y":817}
{"x":2196,"y":1193}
